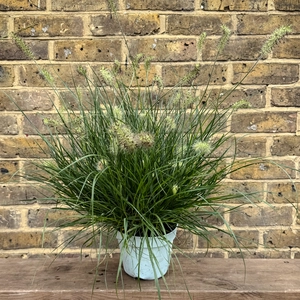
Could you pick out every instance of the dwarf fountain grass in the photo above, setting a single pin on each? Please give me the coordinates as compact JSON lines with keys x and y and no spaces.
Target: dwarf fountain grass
{"x":119,"y":172}
{"x":144,"y":160}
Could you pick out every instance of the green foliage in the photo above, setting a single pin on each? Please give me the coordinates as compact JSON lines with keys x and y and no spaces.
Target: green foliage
{"x":136,"y":160}
{"x":141,"y":160}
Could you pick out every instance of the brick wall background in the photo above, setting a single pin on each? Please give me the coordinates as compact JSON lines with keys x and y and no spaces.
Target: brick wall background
{"x":68,"y":33}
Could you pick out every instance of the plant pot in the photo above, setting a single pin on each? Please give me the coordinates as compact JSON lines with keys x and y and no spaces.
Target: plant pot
{"x":146,"y":257}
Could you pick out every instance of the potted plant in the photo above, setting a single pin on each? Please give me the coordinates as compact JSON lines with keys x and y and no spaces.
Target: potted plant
{"x":139,"y":160}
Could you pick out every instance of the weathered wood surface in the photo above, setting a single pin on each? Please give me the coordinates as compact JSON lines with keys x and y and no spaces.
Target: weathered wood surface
{"x":213,"y":279}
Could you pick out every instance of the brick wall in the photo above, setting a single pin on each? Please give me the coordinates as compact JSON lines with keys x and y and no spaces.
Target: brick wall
{"x":68,"y":33}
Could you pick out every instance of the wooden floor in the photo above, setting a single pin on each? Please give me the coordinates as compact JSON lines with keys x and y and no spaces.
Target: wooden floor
{"x":206,"y":279}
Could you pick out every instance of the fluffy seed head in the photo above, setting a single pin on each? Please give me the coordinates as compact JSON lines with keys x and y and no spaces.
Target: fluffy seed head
{"x":202,"y":148}
{"x":101,"y":165}
{"x":241,"y":104}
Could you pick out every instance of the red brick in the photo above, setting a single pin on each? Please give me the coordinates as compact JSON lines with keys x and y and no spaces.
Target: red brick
{"x":246,"y":146}
{"x":143,"y":76}
{"x":9,"y":125}
{"x":160,"y":5}
{"x":228,"y":5}
{"x":289,"y":48}
{"x":14,"y":100}
{"x":3,"y":26}
{"x":22,"y":146}
{"x":79,"y":5}
{"x":128,"y":24}
{"x":262,"y":216}
{"x":226,"y":97}
{"x":241,"y":48}
{"x":25,"y":240}
{"x":100,"y":50}
{"x":260,"y":253}
{"x":265,"y":170}
{"x":63,"y":75}
{"x":9,"y":5}
{"x":48,"y":26}
{"x":286,"y":146}
{"x":43,"y":217}
{"x":212,"y":217}
{"x":85,"y":239}
{"x":251,"y":147}
{"x":266,"y":23}
{"x":196,"y":25}
{"x":297,"y":255}
{"x":183,"y":240}
{"x":204,"y":253}
{"x":284,"y":192}
{"x":25,"y":194}
{"x":285,"y":238}
{"x":291,"y":5}
{"x":172,"y":74}
{"x":31,"y":170}
{"x":285,"y":96}
{"x":247,"y":192}
{"x":35,"y":123}
{"x":71,"y":100}
{"x":266,"y":73}
{"x":219,"y":239}
{"x":271,"y":122}
{"x":8,"y":169}
{"x":7,"y":75}
{"x":10,"y":218}
{"x":10,"y":51}
{"x":161,"y":49}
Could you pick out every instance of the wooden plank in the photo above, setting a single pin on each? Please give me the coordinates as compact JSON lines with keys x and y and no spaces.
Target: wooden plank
{"x":199,"y":295}
{"x":208,"y":278}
